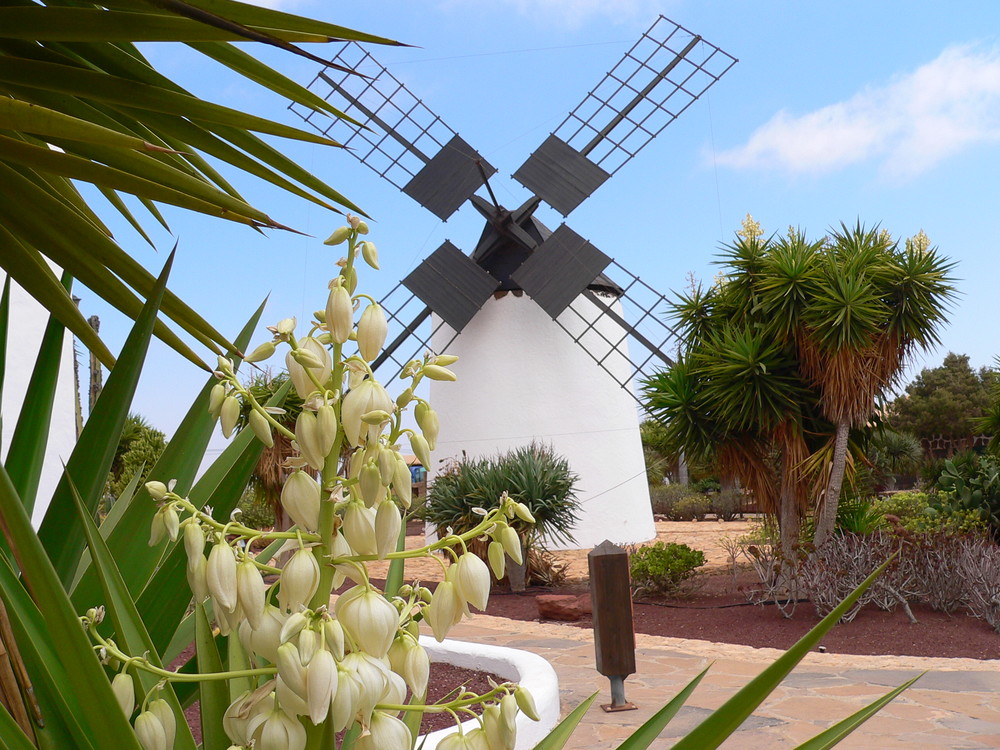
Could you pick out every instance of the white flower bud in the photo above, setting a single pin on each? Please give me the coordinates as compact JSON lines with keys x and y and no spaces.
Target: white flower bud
{"x":308,"y":645}
{"x":285,"y":326}
{"x":421,"y":449}
{"x":443,"y":610}
{"x":472,"y":578}
{"x":264,"y":640}
{"x":220,"y":576}
{"x":404,"y":398}
{"x":347,"y":698}
{"x":326,"y":427}
{"x":370,"y":253}
{"x":339,"y":236}
{"x":156,"y":490}
{"x":497,"y":560}
{"x":511,"y":543}
{"x":370,"y":484}
{"x":194,"y":540}
{"x":523,"y":512}
{"x":444,"y":360}
{"x":149,"y":732}
{"x":359,"y":528}
{"x":436,"y":372}
{"x":292,"y":703}
{"x":409,"y":659}
{"x":264,"y":351}
{"x":250,"y":592}
{"x":402,"y":480}
{"x":321,"y":685}
{"x":215,"y":398}
{"x":279,"y":731}
{"x":162,"y":710}
{"x":157,"y":529}
{"x":526,"y":703}
{"x":372,"y":329}
{"x":307,"y":437}
{"x":371,"y":677}
{"x":230,"y":415}
{"x":304,"y":385}
{"x":339,"y":313}
{"x":300,"y":497}
{"x":388,"y":523}
{"x":369,"y":618}
{"x":429,"y":423}
{"x":385,"y":731}
{"x":365,"y":397}
{"x":290,"y":668}
{"x":299,"y":580}
{"x":197,"y":577}
{"x":261,"y":428}
{"x":333,"y":634}
{"x":124,"y":689}
{"x":293,"y":626}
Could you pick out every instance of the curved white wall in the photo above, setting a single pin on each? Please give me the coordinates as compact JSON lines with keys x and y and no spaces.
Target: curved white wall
{"x":27,"y":324}
{"x":522,"y":378}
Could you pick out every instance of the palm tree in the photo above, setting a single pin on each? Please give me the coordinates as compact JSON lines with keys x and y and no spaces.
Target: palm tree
{"x":80,"y":102}
{"x":874,"y":305}
{"x":789,"y":352}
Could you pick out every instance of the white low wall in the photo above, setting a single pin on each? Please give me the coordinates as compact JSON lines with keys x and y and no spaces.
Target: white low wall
{"x":523,"y":667}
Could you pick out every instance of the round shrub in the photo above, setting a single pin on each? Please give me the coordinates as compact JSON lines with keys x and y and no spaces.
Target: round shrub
{"x":691,"y":508}
{"x":662,"y":567}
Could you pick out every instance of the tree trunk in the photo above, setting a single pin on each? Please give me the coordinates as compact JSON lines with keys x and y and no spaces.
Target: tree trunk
{"x":788,"y":525}
{"x":826,"y":520}
{"x":682,"y":469}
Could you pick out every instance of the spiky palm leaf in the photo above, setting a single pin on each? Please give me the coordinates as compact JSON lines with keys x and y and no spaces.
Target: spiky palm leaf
{"x":80,"y":102}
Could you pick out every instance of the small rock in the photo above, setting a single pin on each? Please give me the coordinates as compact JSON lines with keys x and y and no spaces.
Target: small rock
{"x":566,"y":607}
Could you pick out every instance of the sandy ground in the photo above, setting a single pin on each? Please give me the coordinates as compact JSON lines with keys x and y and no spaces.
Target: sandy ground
{"x":707,"y":536}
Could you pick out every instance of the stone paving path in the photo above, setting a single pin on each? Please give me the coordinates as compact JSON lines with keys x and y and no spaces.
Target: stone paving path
{"x":955,"y":705}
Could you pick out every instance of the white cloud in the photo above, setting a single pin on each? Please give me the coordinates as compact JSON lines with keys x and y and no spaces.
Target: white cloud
{"x":908,"y":125}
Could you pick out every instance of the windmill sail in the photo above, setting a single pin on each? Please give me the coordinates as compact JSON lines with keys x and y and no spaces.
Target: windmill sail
{"x":662,"y":75}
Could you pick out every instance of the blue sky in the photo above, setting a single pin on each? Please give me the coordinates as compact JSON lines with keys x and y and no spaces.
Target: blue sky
{"x":885,"y":112}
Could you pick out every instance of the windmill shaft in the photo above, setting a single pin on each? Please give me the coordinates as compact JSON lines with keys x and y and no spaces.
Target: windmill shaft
{"x":606,"y":130}
{"x":389,"y":130}
{"x":631,"y":329}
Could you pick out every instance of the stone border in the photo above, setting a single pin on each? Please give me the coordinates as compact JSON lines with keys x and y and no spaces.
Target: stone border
{"x":523,"y":667}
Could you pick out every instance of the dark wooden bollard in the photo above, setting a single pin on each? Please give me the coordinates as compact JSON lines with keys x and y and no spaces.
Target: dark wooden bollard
{"x":614,"y":637}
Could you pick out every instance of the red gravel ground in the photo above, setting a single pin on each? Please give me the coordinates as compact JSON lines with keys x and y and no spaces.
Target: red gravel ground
{"x":718,"y":611}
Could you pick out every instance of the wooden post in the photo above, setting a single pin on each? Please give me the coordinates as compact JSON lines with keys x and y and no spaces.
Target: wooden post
{"x":614,"y":636}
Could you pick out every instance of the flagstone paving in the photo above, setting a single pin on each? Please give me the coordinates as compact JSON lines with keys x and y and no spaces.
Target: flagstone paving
{"x":955,"y":705}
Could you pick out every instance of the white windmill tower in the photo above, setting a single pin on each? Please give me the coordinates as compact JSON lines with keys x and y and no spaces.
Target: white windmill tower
{"x":542,"y":331}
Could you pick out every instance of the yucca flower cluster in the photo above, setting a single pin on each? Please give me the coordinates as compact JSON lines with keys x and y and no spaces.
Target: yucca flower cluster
{"x":312,"y":663}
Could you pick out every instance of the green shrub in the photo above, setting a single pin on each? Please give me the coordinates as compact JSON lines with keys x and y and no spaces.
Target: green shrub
{"x":904,"y":505}
{"x":533,"y":475}
{"x":709,"y":484}
{"x":859,"y":516}
{"x":662,"y":567}
{"x":725,"y":505}
{"x":924,"y":513}
{"x":256,"y":512}
{"x":664,"y":497}
{"x":691,"y":508}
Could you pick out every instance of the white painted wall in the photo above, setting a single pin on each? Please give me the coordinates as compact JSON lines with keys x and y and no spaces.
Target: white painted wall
{"x":27,"y":325}
{"x":522,"y":378}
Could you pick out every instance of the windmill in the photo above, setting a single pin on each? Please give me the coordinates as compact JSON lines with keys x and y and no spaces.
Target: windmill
{"x":543,"y":321}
